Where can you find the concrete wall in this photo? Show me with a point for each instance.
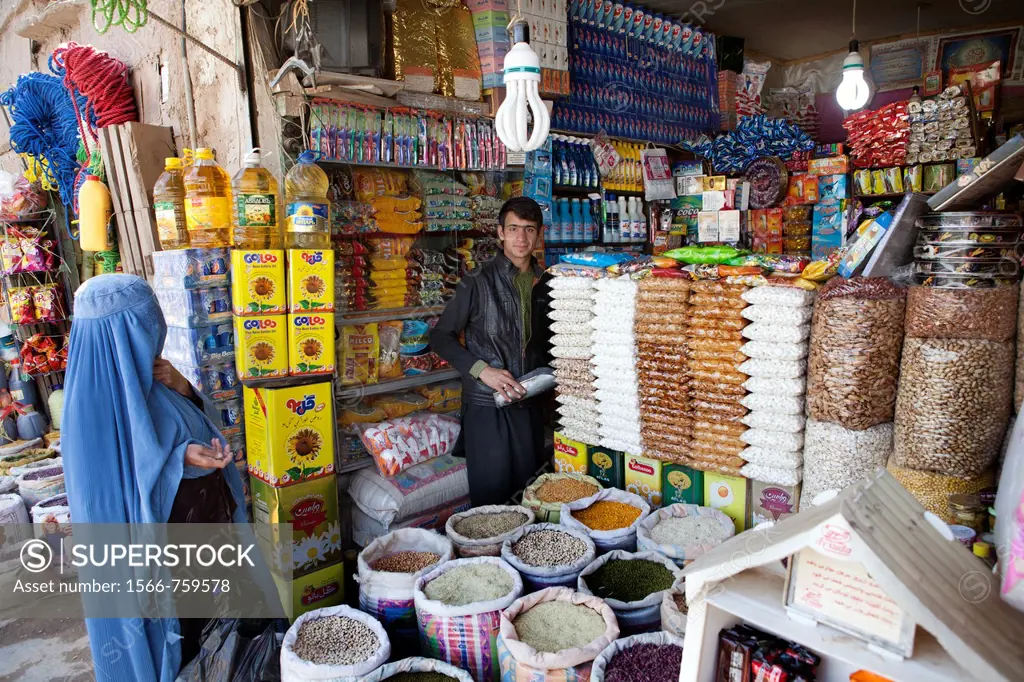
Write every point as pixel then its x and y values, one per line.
pixel 157 73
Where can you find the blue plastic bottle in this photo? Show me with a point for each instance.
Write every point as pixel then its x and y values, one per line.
pixel 564 221
pixel 556 166
pixel 588 221
pixel 577 221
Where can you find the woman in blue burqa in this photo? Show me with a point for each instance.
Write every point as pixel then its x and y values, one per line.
pixel 138 448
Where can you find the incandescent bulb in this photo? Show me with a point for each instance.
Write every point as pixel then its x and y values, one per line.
pixel 854 91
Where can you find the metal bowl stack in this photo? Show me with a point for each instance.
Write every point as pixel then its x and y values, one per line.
pixel 968 250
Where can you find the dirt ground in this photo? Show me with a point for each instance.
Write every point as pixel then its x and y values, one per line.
pixel 33 650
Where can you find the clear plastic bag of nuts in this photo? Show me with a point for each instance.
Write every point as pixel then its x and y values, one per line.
pixel 835 457
pixel 954 403
pixel 853 362
pixel 935 312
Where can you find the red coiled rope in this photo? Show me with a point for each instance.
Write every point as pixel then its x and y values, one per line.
pixel 104 82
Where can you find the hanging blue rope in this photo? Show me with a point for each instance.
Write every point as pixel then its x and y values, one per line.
pixel 45 126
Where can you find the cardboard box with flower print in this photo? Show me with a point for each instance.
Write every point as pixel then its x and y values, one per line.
pixel 289 433
pixel 312 510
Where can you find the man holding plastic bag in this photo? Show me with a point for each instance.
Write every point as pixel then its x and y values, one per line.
pixel 501 311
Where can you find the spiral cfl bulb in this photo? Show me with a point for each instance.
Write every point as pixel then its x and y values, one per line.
pixel 522 79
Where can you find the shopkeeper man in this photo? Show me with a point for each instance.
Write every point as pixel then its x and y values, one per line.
pixel 501 311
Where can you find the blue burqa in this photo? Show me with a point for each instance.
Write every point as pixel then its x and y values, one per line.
pixel 123 440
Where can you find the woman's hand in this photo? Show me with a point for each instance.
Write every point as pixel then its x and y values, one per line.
pixel 166 374
pixel 216 456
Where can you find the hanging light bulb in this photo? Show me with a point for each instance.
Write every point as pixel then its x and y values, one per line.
pixel 853 92
pixel 522 79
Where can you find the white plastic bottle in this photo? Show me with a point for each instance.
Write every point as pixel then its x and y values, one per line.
pixel 641 221
pixel 625 228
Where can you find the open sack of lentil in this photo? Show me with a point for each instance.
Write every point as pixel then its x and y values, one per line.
pixel 388 570
pixel 418 669
pixel 481 531
pixel 548 555
pixel 458 609
pixel 610 518
pixel 954 403
pixel 336 643
pixel 632 584
pixel 674 610
pixel 546 495
pixel 683 532
pixel 650 657
pixel 854 357
pixel 554 634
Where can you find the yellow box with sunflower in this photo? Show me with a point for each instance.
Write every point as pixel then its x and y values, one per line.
pixel 289 433
pixel 261 347
pixel 314 539
pixel 318 590
pixel 311 344
pixel 258 282
pixel 310 281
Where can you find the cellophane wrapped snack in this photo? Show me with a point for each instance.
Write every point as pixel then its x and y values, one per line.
pixel 397 444
pixel 572 297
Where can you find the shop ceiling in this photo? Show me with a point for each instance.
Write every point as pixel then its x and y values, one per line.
pixel 796 29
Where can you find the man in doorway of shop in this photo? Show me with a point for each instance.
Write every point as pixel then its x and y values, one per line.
pixel 501 312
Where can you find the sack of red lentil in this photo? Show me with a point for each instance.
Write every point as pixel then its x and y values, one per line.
pixel 481 530
pixel 553 636
pixel 660 658
pixel 548 555
pixel 683 532
pixel 388 569
pixel 549 492
pixel 603 514
pixel 417 664
pixel 644 582
pixel 458 609
pixel 674 609
pixel 337 643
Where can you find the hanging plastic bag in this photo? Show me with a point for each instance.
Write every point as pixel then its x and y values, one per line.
pixel 658 184
pixel 238 650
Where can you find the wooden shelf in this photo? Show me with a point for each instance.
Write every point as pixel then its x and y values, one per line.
pixel 369 316
pixel 756 597
pixel 395 385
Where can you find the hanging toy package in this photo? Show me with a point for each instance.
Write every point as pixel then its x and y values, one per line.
pixel 658 182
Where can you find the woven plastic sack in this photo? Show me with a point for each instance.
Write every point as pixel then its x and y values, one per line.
pixel 464 636
pixel 607 540
pixel 470 547
pixel 680 555
pixel 520 662
pixel 549 512
pixel 388 596
pixel 634 616
pixel 35 485
pixel 417 664
pixel 295 669
pixel 673 620
pixel 657 638
pixel 540 577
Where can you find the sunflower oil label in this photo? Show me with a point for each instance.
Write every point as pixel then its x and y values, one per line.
pixel 289 433
pixel 207 213
pixel 167 217
pixel 310 281
pixel 258 282
pixel 256 210
pixel 308 216
pixel 311 344
pixel 261 347
pixel 311 507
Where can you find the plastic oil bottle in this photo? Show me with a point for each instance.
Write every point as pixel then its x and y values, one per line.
pixel 94 212
pixel 207 202
pixel 256 206
pixel 308 222
pixel 169 203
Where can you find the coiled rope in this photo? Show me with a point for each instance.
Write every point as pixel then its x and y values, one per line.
pixel 128 14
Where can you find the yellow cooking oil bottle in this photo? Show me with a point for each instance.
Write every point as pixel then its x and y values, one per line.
pixel 308 221
pixel 256 206
pixel 207 202
pixel 94 212
pixel 169 204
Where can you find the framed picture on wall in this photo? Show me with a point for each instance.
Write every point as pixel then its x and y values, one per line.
pixel 968 49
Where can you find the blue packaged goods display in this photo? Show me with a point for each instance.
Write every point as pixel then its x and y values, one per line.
pixel 217 380
pixel 191 269
pixel 195 307
pixel 754 137
pixel 637 74
pixel 596 259
pixel 199 346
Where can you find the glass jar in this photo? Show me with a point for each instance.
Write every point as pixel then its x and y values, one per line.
pixel 968 510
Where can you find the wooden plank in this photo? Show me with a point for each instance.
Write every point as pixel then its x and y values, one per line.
pixel 130 243
pixel 118 198
pixel 145 147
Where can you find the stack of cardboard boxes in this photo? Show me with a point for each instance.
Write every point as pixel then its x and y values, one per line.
pixel 548 38
pixel 746 502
